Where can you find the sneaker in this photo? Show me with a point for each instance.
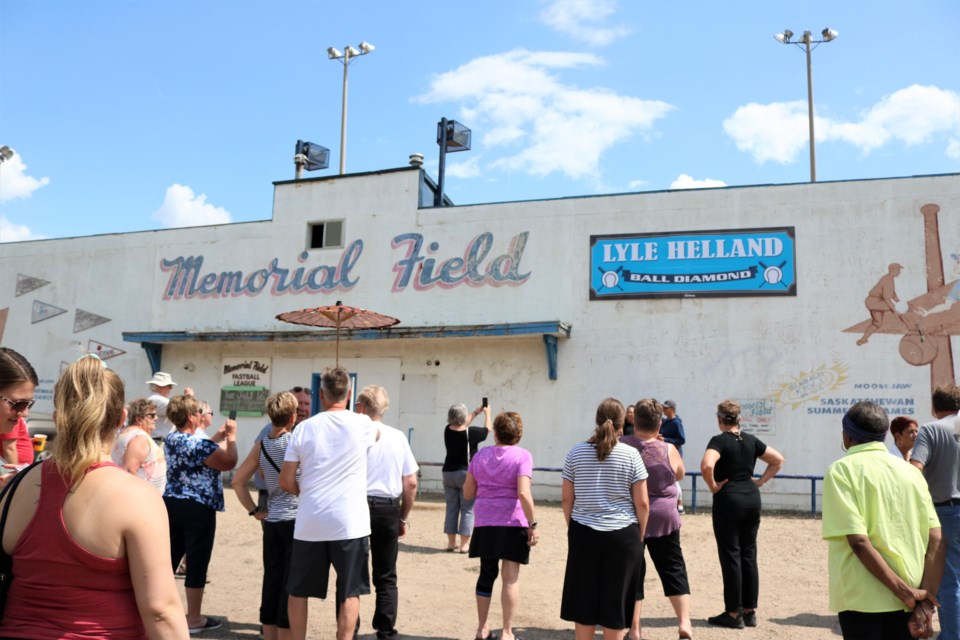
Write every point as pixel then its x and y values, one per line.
pixel 726 620
pixel 750 618
pixel 680 510
pixel 209 625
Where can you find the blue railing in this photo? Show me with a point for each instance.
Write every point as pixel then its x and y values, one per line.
pixel 780 476
pixel 693 475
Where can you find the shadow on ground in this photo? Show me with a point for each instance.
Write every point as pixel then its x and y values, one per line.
pixel 813 620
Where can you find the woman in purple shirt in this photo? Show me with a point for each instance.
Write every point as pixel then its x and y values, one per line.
pixel 505 526
pixel 662 536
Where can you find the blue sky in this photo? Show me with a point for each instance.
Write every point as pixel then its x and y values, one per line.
pixel 147 114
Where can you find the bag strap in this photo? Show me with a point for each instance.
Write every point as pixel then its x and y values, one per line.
pixel 7 492
pixel 266 455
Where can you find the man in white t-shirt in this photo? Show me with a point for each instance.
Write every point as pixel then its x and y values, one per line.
pixel 391 490
pixel 333 521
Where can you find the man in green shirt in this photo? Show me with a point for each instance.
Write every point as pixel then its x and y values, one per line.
pixel 885 557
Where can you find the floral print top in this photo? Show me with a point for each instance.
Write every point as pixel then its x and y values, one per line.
pixel 187 477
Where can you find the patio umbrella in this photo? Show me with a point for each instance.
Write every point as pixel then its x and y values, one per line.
pixel 339 317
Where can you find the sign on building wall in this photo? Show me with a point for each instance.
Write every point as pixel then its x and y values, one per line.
pixel 757 416
pixel 737 262
pixel 245 385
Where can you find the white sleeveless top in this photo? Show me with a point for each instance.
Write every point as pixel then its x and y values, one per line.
pixel 154 467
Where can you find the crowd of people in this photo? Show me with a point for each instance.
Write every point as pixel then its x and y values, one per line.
pixel 337 488
pixel 82 528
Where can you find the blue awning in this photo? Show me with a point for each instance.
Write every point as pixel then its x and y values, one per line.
pixel 551 330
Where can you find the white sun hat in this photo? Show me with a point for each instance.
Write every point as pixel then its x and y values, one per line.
pixel 162 379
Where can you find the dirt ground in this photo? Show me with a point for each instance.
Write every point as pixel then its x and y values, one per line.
pixel 436 588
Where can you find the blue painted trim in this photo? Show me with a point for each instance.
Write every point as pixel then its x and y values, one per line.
pixel 555 328
pixel 550 342
pixel 316 402
pixel 549 329
pixel 154 355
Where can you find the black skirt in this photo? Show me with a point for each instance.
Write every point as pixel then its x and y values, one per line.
pixel 500 543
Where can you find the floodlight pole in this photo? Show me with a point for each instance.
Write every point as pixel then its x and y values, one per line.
pixel 348 54
pixel 442 169
pixel 5 154
pixel 808 44
pixel 813 144
pixel 343 114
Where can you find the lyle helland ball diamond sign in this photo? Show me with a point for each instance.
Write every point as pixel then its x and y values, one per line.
pixel 738 262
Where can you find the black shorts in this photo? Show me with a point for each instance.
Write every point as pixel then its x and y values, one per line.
pixel 500 543
pixel 310 568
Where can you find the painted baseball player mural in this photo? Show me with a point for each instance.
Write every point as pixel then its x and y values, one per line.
pixel 882 300
pixel 925 322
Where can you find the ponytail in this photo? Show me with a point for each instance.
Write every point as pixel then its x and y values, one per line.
pixel 610 417
pixel 88 409
pixel 605 438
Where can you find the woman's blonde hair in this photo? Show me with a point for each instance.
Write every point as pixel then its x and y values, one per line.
pixel 180 408
pixel 281 407
pixel 610 417
pixel 88 410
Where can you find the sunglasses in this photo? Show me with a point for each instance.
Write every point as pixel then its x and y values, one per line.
pixel 151 415
pixel 301 390
pixel 18 406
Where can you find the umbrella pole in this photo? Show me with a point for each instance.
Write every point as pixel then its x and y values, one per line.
pixel 338 339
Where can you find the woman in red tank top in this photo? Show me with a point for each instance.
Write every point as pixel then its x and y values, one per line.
pixel 17 383
pixel 86 537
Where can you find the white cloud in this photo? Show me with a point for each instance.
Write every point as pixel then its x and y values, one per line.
pixel 637 184
pixel 582 20
pixel 182 208
pixel 467 169
pixel 544 125
pixel 14 181
pixel 11 232
pixel 775 131
pixel 684 181
pixel 953 149
pixel 915 115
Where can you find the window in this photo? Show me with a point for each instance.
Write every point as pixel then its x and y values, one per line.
pixel 323 235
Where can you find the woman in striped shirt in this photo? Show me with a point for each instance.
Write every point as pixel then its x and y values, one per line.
pixel 605 504
pixel 266 456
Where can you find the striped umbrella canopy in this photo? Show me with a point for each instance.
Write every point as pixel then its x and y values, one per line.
pixel 339 316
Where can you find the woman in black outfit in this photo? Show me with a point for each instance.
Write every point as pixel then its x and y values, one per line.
pixel 727 468
pixel 461 444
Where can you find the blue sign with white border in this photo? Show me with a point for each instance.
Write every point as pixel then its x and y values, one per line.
pixel 694 264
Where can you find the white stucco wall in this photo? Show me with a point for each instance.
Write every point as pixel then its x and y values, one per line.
pixel 789 352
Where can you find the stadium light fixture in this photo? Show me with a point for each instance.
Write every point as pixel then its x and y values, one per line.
pixel 311 157
pixel 451 136
pixel 808 44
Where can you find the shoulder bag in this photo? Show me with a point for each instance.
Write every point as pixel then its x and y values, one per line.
pixel 6 560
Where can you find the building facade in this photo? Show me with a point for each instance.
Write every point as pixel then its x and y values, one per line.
pixel 795 300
